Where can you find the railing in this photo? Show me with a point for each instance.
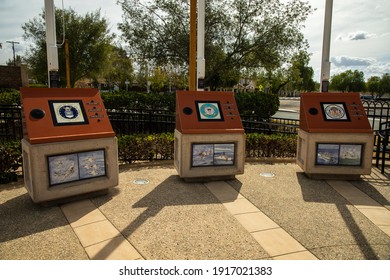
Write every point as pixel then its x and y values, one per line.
pixel 10 122
pixel 158 121
pixel 378 111
pixel 141 121
pixel 252 124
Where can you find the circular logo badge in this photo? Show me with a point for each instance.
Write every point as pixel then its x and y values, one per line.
pixel 68 112
pixel 209 111
pixel 335 111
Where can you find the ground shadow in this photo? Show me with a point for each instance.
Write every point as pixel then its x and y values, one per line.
pixel 321 192
pixel 20 216
pixel 173 191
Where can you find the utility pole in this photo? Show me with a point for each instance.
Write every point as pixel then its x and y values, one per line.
pixel 13 49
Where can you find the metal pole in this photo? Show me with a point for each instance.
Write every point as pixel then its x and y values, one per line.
pixel 325 67
pixel 201 63
pixel 51 44
pixel 192 45
pixel 67 63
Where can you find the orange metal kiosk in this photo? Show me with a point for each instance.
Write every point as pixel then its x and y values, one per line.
pixel 69 147
pixel 209 137
pixel 335 139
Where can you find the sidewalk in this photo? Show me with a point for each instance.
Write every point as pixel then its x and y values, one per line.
pixel 287 216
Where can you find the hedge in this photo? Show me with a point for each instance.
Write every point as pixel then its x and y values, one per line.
pixel 10 160
pixel 139 147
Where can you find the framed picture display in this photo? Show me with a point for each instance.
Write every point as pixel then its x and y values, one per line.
pixel 76 166
pixel 67 112
pixel 209 111
pixel 339 154
pixel 213 154
pixel 334 111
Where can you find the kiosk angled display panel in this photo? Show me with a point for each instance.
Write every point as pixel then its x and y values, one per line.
pixel 207 112
pixel 59 114
pixel 333 112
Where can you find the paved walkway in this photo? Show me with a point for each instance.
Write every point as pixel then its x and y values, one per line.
pixel 287 216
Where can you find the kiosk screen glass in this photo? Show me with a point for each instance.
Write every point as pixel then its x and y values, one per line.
pixel 339 154
pixel 209 111
pixel 67 112
pixel 76 166
pixel 213 154
pixel 334 111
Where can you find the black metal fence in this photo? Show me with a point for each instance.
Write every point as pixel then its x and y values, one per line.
pixel 159 121
pixel 10 122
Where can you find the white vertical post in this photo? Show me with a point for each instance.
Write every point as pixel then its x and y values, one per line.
pixel 201 63
pixel 51 42
pixel 325 66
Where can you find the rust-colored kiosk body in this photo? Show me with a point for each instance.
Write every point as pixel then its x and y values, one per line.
pixel 335 139
pixel 69 147
pixel 209 137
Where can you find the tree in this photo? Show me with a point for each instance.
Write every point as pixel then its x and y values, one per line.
pixel 18 61
pixel 239 34
pixel 89 45
pixel 300 72
pixel 385 84
pixel 120 69
pixel 352 81
pixel 373 85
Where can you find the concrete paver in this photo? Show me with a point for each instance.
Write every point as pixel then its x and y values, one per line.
pixel 373 210
pixel 100 239
pixel 275 241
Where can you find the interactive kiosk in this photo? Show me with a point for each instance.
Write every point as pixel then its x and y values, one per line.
pixel 335 139
pixel 209 137
pixel 69 147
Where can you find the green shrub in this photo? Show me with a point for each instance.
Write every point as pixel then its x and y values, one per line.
pixel 135 147
pixel 10 160
pixel 139 100
pixel 164 145
pixel 274 145
pixel 149 147
pixel 257 103
pixel 9 97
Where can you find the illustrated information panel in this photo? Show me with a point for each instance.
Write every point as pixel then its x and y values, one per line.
pixel 76 166
pixel 213 154
pixel 339 154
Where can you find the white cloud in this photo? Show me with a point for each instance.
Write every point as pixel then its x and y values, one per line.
pixel 369 66
pixel 347 61
pixel 358 35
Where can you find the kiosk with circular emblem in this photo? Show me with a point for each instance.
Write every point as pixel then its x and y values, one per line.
pixel 335 139
pixel 69 147
pixel 209 137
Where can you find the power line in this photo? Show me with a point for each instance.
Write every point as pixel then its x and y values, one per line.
pixel 13 49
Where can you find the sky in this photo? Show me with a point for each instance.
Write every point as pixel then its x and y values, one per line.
pixel 360 34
